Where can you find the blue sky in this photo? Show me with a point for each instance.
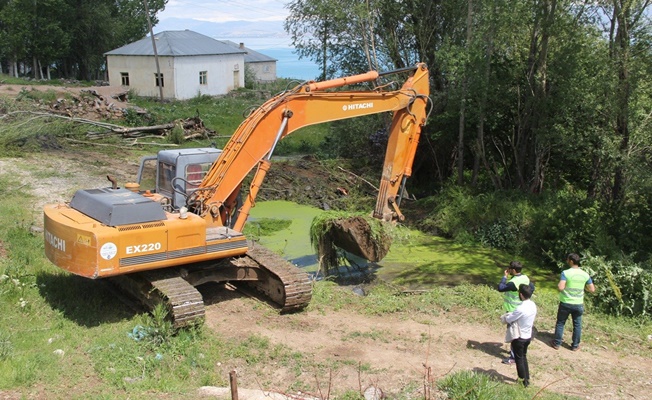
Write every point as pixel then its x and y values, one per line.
pixel 226 10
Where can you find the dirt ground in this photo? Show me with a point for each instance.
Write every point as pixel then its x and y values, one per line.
pixel 397 348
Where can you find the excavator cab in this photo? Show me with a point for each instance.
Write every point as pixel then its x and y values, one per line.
pixel 176 173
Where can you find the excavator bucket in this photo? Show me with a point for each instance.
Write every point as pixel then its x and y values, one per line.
pixel 364 237
pixel 357 236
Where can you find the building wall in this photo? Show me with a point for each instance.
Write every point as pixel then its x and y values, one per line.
pixel 180 74
pixel 142 70
pixel 265 71
pixel 224 73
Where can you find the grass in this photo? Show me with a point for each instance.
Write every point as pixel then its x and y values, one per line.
pixel 11 80
pixel 221 114
pixel 224 115
pixel 70 338
pixel 49 319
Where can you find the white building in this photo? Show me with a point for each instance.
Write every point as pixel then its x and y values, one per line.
pixel 263 66
pixel 191 64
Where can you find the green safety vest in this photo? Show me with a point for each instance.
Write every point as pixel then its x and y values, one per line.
pixel 575 282
pixel 511 299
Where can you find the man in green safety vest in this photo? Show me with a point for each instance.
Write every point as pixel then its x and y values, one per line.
pixel 571 287
pixel 509 289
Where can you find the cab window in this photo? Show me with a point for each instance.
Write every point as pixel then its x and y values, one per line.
pixel 167 172
pixel 195 173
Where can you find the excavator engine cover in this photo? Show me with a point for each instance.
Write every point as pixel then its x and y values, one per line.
pixel 115 207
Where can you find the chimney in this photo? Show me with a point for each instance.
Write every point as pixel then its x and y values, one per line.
pixel 242 45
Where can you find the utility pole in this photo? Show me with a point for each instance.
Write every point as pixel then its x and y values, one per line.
pixel 159 81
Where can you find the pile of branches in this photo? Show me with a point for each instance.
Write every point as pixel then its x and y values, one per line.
pixel 193 128
pixel 92 104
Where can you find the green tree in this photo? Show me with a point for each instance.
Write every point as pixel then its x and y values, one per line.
pixel 99 26
pixel 40 33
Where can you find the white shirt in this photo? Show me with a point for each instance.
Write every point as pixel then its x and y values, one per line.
pixel 524 315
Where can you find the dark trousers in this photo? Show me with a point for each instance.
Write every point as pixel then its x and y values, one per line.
pixel 520 356
pixel 575 311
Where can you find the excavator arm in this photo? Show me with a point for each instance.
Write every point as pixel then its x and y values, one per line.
pixel 254 141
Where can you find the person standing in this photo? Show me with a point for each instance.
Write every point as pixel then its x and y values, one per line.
pixel 524 316
pixel 509 289
pixel 572 284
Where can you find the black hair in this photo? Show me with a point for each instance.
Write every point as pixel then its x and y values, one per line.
pixel 525 291
pixel 574 258
pixel 516 266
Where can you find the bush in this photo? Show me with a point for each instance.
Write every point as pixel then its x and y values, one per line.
pixel 566 221
pixel 622 287
pixel 499 220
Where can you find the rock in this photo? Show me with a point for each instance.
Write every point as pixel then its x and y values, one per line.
pixel 373 393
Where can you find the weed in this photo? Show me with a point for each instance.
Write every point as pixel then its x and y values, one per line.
pixel 157 329
pixel 468 385
pixel 6 347
pixel 177 135
pixel 265 226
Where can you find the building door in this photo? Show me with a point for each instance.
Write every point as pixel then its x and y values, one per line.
pixel 236 79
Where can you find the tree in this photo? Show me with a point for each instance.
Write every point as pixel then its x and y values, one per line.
pixel 41 32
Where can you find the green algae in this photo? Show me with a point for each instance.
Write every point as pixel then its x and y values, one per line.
pixel 415 260
pixel 293 241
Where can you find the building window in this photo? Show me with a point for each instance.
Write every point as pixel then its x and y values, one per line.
pixel 203 77
pixel 159 80
pixel 124 77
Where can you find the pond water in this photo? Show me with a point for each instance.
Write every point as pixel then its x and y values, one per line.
pixel 415 260
pixel 293 243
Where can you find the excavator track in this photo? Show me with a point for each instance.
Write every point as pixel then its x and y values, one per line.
pixel 280 282
pixel 286 285
pixel 184 303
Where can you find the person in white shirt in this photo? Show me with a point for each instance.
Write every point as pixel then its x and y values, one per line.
pixel 524 316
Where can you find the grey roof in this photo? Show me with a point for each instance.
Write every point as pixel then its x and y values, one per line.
pixel 177 43
pixel 252 56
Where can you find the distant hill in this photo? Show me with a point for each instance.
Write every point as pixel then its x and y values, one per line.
pixel 225 30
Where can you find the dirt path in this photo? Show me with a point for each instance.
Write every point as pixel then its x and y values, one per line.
pixel 394 347
pixel 397 347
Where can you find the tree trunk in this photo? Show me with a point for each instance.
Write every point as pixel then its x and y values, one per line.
pixel 529 132
pixel 623 92
pixel 465 84
pixel 480 153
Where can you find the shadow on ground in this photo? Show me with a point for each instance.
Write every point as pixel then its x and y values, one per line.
pixel 87 302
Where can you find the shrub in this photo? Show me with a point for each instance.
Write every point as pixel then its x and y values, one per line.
pixel 568 222
pixel 499 220
pixel 622 287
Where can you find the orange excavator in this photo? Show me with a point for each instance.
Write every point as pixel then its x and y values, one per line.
pixel 161 244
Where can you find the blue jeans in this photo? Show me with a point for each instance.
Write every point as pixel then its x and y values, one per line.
pixel 575 311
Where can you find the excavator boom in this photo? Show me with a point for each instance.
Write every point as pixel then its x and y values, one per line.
pixel 254 140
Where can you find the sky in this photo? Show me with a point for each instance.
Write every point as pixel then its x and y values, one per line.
pixel 226 10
